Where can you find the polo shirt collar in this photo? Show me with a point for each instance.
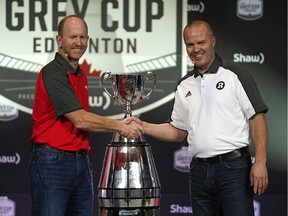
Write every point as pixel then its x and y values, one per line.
pixel 66 64
pixel 213 67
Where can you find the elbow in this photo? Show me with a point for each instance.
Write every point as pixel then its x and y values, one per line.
pixel 179 139
pixel 78 119
pixel 80 124
pixel 179 136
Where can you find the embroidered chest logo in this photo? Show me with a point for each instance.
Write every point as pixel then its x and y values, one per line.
pixel 220 85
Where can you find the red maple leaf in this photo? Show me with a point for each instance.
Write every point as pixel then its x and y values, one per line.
pixel 87 67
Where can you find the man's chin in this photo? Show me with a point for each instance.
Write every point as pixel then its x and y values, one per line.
pixel 74 57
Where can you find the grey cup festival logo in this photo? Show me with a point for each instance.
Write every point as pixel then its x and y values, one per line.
pixel 249 9
pixel 125 37
pixel 7 206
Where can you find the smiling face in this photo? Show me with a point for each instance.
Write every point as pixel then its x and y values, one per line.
pixel 72 40
pixel 200 43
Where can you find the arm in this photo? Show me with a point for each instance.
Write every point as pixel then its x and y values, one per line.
pixel 91 122
pixel 165 132
pixel 259 173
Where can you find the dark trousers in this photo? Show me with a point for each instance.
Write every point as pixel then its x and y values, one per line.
pixel 221 188
pixel 61 183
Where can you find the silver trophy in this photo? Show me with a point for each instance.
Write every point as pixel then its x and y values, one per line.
pixel 128 89
pixel 129 183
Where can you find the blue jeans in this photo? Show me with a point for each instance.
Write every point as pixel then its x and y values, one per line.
pixel 221 188
pixel 61 183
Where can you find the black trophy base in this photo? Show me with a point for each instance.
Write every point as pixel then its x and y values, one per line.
pixel 129 212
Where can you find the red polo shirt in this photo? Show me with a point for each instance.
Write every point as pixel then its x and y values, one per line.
pixel 60 89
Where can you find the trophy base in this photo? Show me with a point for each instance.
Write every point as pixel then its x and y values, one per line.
pixel 130 212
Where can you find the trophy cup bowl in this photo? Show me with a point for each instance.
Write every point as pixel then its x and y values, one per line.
pixel 128 89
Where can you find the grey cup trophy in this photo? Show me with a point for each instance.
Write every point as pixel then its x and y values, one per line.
pixel 129 183
pixel 128 89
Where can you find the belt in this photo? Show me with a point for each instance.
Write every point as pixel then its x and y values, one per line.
pixel 223 157
pixel 80 152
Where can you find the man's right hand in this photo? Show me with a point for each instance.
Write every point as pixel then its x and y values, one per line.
pixel 132 128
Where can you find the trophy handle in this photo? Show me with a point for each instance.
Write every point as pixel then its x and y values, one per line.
pixel 146 77
pixel 102 82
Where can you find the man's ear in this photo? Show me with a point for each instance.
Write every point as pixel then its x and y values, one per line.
pixel 214 40
pixel 59 41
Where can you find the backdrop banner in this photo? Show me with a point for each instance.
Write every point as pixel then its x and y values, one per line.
pixel 134 36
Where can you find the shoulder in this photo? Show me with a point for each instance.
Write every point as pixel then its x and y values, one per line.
pixel 242 73
pixel 189 74
pixel 235 68
pixel 54 70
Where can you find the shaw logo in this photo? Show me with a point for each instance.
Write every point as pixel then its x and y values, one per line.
pixel 103 101
pixel 176 208
pixel 182 159
pixel 8 112
pixel 13 159
pixel 249 9
pixel 239 57
pixel 196 7
pixel 7 207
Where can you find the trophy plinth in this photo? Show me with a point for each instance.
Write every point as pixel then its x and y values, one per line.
pixel 129 183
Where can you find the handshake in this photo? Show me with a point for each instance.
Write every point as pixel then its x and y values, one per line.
pixel 132 127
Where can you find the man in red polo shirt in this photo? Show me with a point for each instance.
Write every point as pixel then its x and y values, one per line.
pixel 60 172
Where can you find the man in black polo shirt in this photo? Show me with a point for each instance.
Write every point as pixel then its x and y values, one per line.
pixel 60 172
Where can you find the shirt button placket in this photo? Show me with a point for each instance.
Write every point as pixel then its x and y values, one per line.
pixel 203 85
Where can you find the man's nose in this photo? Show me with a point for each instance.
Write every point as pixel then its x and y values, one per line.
pixel 196 48
pixel 78 41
